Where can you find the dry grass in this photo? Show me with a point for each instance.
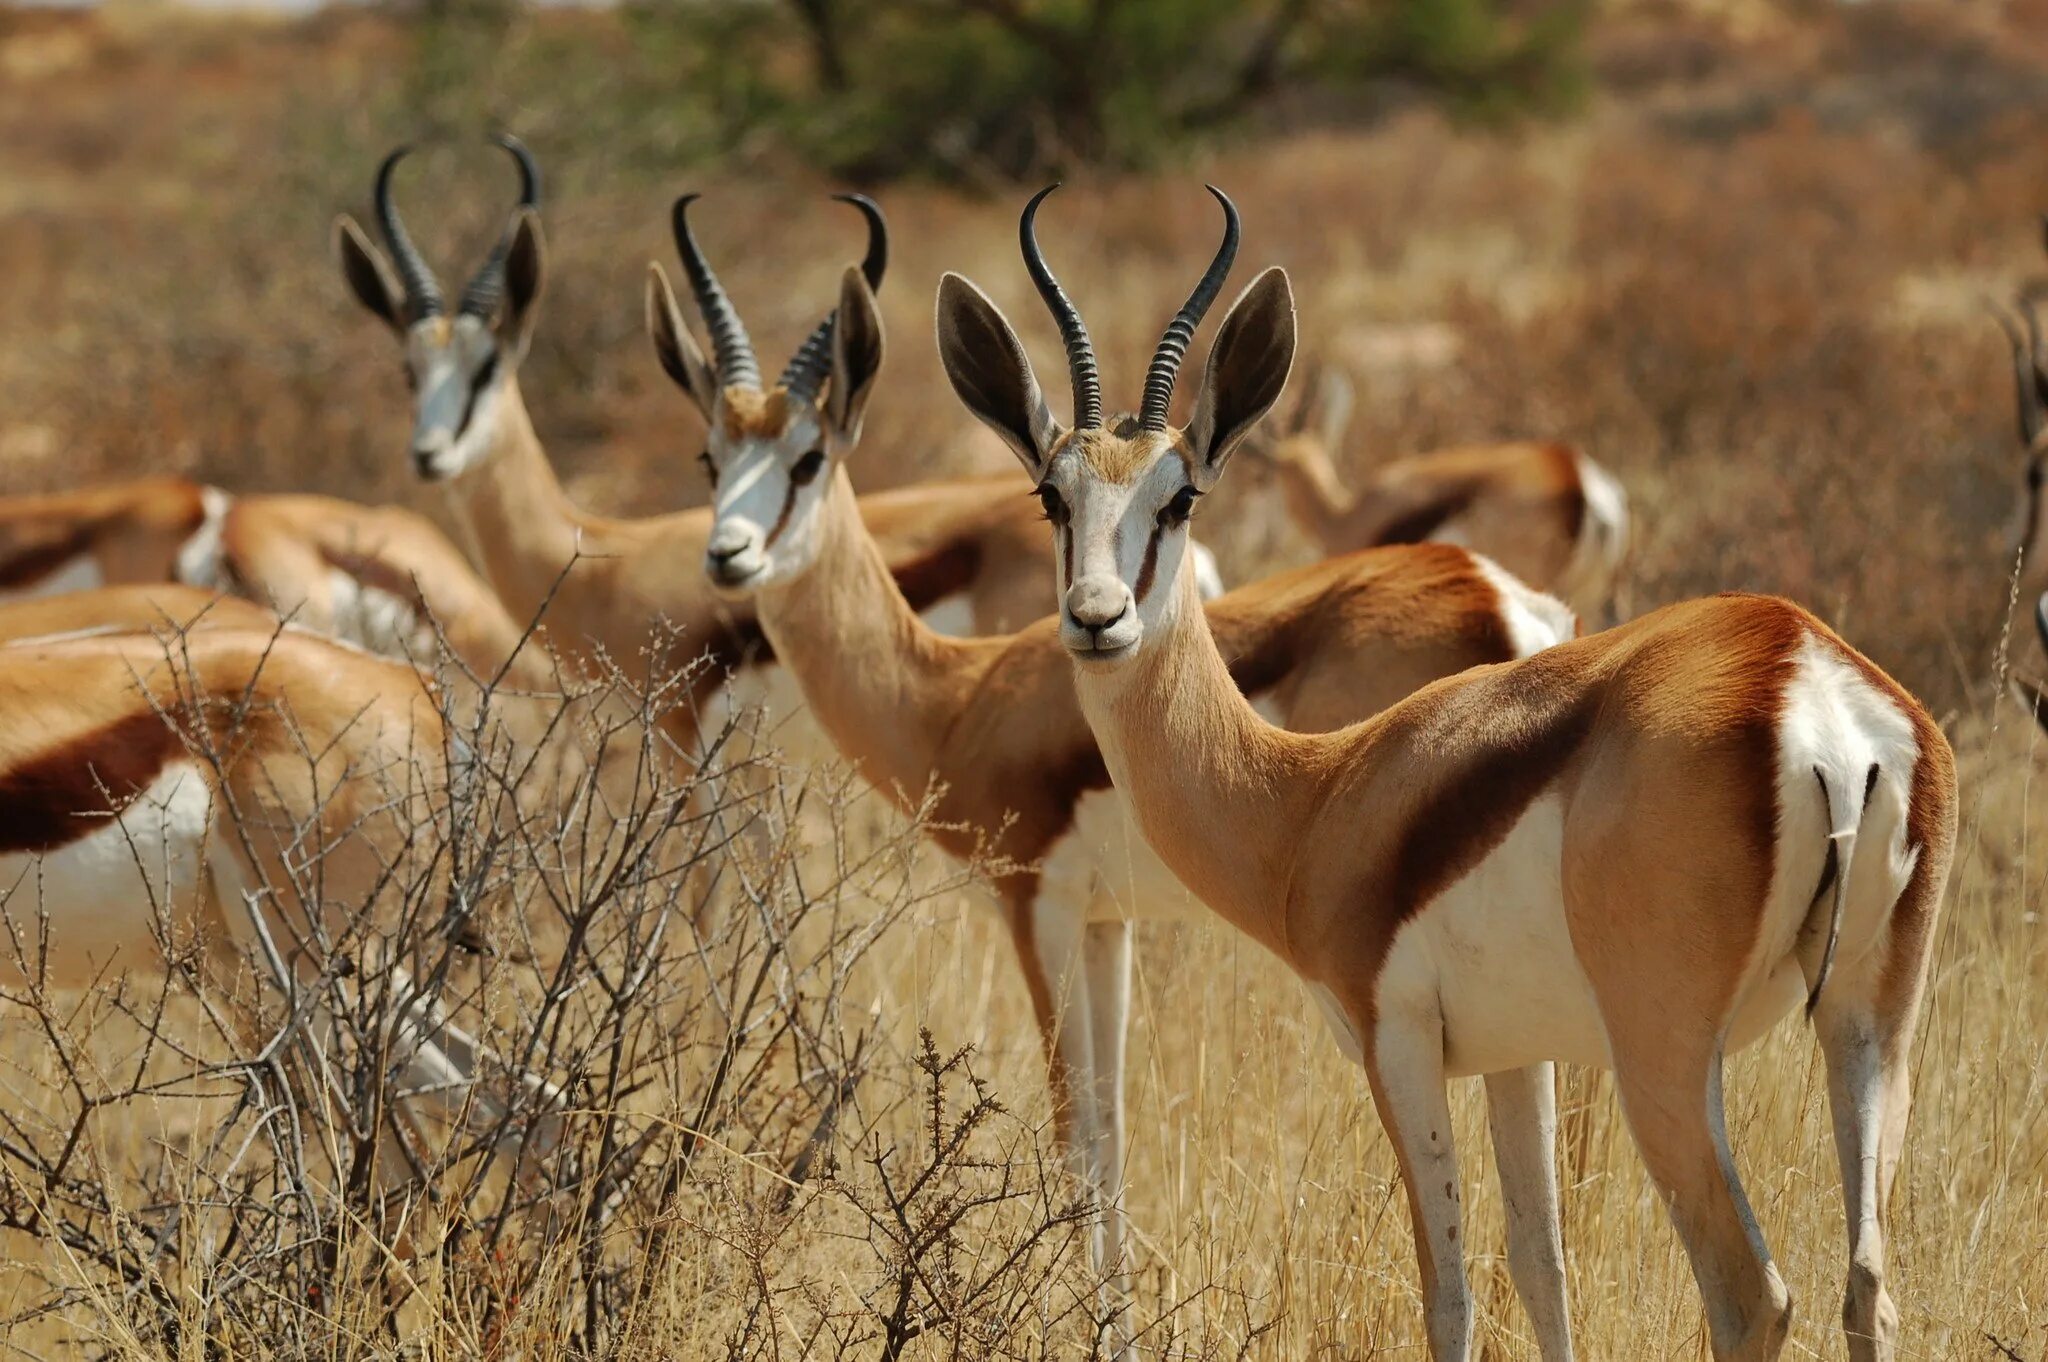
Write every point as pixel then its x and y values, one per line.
pixel 1747 281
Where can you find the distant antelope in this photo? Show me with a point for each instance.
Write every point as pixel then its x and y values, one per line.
pixel 961 539
pixel 1542 509
pixel 2030 388
pixel 992 723
pixel 378 576
pixel 1635 849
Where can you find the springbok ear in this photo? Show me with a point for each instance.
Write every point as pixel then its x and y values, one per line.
pixel 369 278
pixel 525 273
pixel 675 346
pixel 991 373
pixel 1247 370
pixel 856 355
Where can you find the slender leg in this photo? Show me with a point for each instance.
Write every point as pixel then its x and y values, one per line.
pixel 1108 969
pixel 1866 1110
pixel 1406 1066
pixel 1521 1106
pixel 1670 1088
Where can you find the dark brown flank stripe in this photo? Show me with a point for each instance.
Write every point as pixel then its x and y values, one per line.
pixel 70 791
pixel 1425 520
pixel 32 565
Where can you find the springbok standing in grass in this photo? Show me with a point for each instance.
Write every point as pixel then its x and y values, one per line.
pixel 1542 509
pixel 2030 389
pixel 380 577
pixel 925 714
pixel 1636 849
pixel 944 541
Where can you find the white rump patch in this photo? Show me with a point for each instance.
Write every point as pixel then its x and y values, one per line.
pixel 1535 620
pixel 199 560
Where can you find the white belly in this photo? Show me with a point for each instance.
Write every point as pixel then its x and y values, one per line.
pixel 1493 952
pixel 105 892
pixel 373 618
pixel 78 574
pixel 1103 862
pixel 951 615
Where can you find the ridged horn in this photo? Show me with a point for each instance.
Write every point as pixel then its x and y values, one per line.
pixel 806 371
pixel 1081 370
pixel 487 289
pixel 732 353
pixel 422 291
pixel 2027 382
pixel 1173 346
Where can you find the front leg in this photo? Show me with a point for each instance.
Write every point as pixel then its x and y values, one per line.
pixel 1521 1106
pixel 1405 1062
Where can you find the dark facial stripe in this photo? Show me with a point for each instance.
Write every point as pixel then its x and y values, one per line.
pixel 1066 538
pixel 1151 565
pixel 68 792
pixel 782 519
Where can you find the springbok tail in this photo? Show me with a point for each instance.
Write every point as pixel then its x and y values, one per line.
pixel 1843 821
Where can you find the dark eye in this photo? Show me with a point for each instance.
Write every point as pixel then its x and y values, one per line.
pixel 1177 511
pixel 710 468
pixel 807 468
pixel 1055 506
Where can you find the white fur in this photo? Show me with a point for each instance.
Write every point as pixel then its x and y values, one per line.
pixel 1603 538
pixel 376 620
pixel 951 615
pixel 1208 574
pixel 200 557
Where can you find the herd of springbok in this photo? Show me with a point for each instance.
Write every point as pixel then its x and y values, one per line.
pixel 1485 839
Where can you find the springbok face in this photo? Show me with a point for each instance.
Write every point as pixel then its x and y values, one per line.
pixel 771 453
pixel 1119 494
pixel 458 364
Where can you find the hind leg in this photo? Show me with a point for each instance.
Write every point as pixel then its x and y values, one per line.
pixel 1521 1107
pixel 1405 1063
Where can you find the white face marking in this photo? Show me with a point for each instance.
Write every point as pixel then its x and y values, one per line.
pixel 766 510
pixel 78 574
pixel 1125 548
pixel 458 374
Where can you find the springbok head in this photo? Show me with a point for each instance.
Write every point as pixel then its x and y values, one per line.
pixel 1119 490
pixel 458 362
pixel 770 451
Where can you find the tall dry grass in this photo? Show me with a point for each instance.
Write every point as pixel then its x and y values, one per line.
pixel 1747 281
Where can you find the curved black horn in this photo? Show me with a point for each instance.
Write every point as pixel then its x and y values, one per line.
pixel 2033 410
pixel 422 290
pixel 806 370
pixel 487 288
pixel 1173 346
pixel 1081 370
pixel 732 353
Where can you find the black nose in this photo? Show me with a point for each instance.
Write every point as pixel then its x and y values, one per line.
pixel 1095 630
pixel 722 555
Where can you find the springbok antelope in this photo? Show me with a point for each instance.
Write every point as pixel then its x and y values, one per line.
pixel 1542 509
pixel 1636 848
pixel 176 762
pixel 927 715
pixel 471 430
pixel 380 577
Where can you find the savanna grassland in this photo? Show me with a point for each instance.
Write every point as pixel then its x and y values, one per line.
pixel 1745 272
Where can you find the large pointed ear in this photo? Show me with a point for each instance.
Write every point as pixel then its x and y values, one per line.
pixel 369 278
pixel 1247 370
pixel 675 346
pixel 856 355
pixel 990 371
pixel 525 272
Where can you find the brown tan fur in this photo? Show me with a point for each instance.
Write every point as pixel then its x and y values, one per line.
pixel 132 530
pixel 161 608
